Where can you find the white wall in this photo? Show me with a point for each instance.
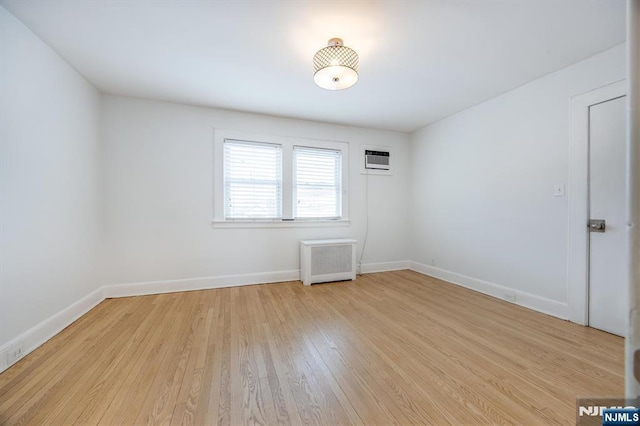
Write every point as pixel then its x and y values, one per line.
pixel 50 206
pixel 482 201
pixel 85 178
pixel 159 195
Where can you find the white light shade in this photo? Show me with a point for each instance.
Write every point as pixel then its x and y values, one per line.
pixel 335 77
pixel 336 66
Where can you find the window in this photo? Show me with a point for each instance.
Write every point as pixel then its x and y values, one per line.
pixel 278 182
pixel 317 187
pixel 252 180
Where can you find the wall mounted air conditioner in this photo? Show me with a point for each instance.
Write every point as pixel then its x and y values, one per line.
pixel 377 160
pixel 324 261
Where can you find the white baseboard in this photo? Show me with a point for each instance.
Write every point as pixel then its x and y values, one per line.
pixel 528 300
pixel 39 334
pixel 205 283
pixel 370 268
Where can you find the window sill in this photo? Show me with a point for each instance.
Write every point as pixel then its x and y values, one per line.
pixel 280 223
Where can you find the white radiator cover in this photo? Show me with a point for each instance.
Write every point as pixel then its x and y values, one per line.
pixel 324 261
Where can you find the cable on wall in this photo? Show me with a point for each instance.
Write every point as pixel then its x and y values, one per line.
pixel 366 229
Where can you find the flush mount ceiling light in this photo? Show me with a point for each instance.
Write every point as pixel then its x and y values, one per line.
pixel 336 66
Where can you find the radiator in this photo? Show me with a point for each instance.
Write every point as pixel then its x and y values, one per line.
pixel 323 261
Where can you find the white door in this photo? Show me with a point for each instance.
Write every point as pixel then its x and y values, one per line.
pixel 608 301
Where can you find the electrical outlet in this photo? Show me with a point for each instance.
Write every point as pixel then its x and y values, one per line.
pixel 510 297
pixel 433 262
pixel 14 355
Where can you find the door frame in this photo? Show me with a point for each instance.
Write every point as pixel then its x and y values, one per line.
pixel 578 236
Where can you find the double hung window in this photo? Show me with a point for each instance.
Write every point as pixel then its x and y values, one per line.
pixel 267 180
pixel 252 180
pixel 317 183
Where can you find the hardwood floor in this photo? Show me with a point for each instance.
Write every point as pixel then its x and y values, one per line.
pixel 389 348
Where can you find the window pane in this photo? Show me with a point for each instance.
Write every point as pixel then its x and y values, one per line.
pixel 252 180
pixel 317 183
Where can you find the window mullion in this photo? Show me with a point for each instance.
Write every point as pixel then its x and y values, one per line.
pixel 287 182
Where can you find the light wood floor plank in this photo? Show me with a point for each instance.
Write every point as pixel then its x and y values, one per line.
pixel 389 348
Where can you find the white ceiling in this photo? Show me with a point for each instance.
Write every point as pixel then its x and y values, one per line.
pixel 419 60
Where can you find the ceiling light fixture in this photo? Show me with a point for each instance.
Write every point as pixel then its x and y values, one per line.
pixel 336 66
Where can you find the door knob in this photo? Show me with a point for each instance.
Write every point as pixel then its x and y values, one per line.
pixel 597 225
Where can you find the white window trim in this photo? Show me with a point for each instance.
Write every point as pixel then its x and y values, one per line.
pixel 287 143
pixel 280 223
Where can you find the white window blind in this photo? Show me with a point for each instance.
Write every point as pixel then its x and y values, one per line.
pixel 317 183
pixel 252 180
